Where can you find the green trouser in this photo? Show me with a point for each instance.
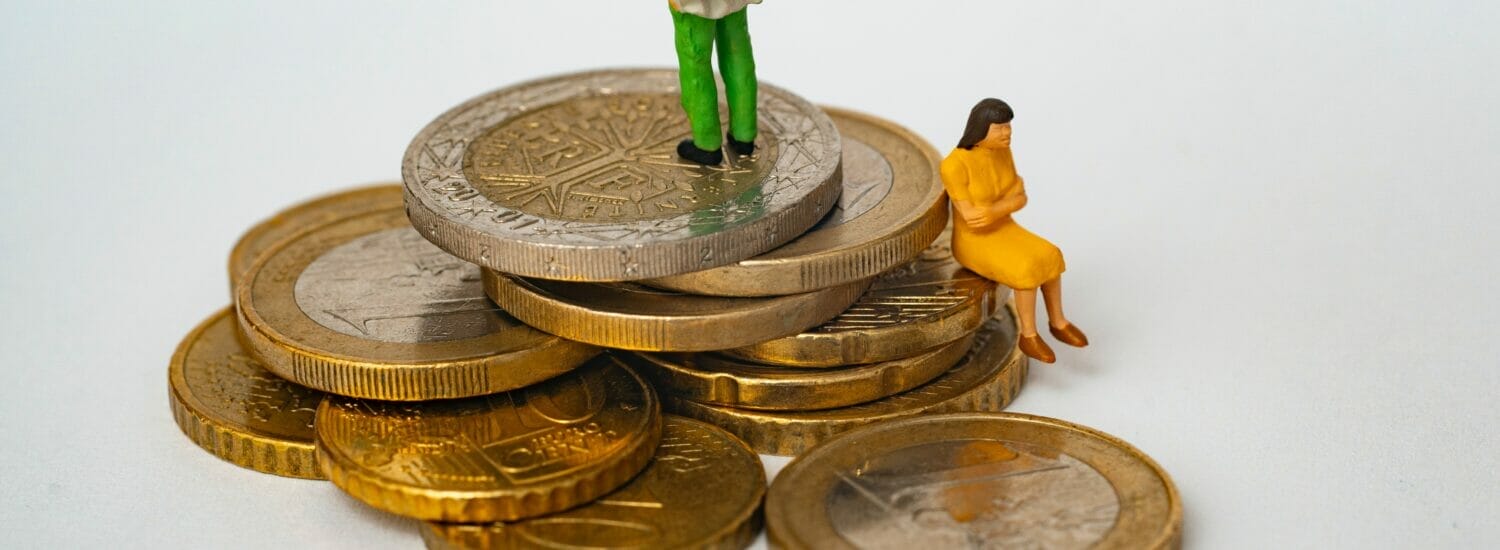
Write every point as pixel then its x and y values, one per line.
pixel 700 96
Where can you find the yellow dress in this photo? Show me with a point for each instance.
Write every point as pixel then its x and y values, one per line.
pixel 1005 253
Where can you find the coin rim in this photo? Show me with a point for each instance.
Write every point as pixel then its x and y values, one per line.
pixel 791 433
pixel 241 258
pixel 776 273
pixel 227 440
pixel 552 495
pixel 478 370
pixel 778 516
pixel 602 262
pixel 760 319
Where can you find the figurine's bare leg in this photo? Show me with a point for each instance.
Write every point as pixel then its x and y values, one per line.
pixel 1052 295
pixel 1026 307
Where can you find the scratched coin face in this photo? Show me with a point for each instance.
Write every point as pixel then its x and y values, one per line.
pixel 892 206
pixel 230 405
pixel 365 307
pixel 703 489
pixel 925 303
pixel 974 480
pixel 576 178
pixel 506 456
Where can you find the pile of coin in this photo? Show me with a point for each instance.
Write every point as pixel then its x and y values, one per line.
pixel 490 345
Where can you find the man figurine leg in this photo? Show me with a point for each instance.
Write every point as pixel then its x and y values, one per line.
pixel 700 96
pixel 737 63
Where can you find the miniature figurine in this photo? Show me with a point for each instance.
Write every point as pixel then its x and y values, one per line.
pixel 980 177
pixel 699 24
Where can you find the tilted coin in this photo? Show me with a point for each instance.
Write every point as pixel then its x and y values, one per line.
pixel 576 177
pixel 301 216
pixel 925 303
pixel 726 381
pixel 636 317
pixel 985 379
pixel 970 480
pixel 365 307
pixel 892 206
pixel 702 490
pixel 503 457
pixel 233 407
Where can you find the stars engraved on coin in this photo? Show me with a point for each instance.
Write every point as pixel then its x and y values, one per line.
pixel 395 286
pixel 868 178
pixel 973 493
pixel 602 158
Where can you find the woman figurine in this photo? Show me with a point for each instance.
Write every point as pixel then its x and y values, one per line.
pixel 981 180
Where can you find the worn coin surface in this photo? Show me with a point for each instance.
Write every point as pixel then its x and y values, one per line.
pixel 718 380
pixel 576 177
pixel 892 206
pixel 636 317
pixel 301 216
pixel 915 307
pixel 974 480
pixel 231 406
pixel 985 379
pixel 524 453
pixel 365 307
pixel 702 490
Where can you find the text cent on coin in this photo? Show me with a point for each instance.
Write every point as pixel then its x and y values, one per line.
pixel 365 307
pixel 892 206
pixel 231 406
pixel 503 457
pixel 576 178
pixel 703 489
pixel 299 217
pixel 945 481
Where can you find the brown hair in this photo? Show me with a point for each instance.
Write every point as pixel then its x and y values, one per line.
pixel 988 111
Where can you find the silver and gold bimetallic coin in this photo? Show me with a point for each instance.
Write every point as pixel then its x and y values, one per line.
pixel 301 216
pixel 925 303
pixel 503 457
pixel 987 378
pixel 365 307
pixel 636 317
pixel 703 489
pixel 726 381
pixel 231 406
pixel 576 177
pixel 971 480
pixel 892 207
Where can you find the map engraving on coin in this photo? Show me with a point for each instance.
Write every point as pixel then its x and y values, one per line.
pixel 576 178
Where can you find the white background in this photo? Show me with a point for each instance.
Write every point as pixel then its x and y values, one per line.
pixel 1279 219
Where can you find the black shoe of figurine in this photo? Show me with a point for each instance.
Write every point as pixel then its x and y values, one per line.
pixel 741 147
pixel 690 151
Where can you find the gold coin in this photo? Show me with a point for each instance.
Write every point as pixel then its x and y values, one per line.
pixel 892 206
pixel 365 307
pixel 726 381
pixel 985 379
pixel 233 407
pixel 702 490
pixel 635 317
pixel 925 303
pixel 950 481
pixel 503 457
pixel 301 216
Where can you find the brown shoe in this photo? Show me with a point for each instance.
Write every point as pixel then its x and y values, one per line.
pixel 1069 335
pixel 1035 348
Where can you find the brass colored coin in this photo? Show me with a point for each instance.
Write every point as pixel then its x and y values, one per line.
pixel 576 177
pixel 233 407
pixel 702 490
pixel 925 303
pixel 892 206
pixel 635 317
pixel 949 481
pixel 726 381
pixel 986 379
pixel 365 307
pixel 301 216
pixel 503 457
